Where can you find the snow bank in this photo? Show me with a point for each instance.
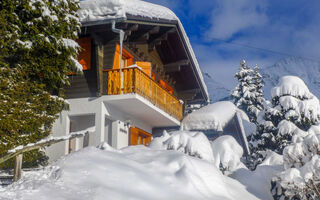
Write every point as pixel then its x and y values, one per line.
pixel 191 143
pixel 135 172
pixel 258 182
pixel 227 152
pixel 291 85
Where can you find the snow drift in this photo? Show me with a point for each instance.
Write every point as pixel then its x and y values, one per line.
pixel 136 172
pixel 191 143
pixel 227 153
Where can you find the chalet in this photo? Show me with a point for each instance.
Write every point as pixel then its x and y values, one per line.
pixel 139 73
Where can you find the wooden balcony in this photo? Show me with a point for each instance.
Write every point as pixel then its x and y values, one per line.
pixel 136 81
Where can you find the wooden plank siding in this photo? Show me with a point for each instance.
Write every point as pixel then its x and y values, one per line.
pixel 92 82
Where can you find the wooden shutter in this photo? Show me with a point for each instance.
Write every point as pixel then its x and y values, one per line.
pixel 84 56
pixel 146 67
pixel 165 86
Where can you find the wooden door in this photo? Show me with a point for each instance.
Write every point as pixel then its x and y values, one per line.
pixel 139 137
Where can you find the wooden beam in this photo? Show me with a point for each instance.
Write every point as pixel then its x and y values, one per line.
pixel 188 94
pixel 155 30
pixel 131 29
pixel 17 168
pixel 134 27
pixel 175 66
pixel 158 40
pixel 39 145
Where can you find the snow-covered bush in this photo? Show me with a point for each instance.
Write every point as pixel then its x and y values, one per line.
pixel 227 154
pixel 301 178
pixel 189 142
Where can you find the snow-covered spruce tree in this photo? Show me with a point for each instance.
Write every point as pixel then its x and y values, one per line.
pixel 27 112
pixel 293 105
pixel 258 104
pixel 37 51
pixel 258 100
pixel 248 94
pixel 301 178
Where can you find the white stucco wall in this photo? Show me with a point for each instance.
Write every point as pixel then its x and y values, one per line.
pixel 110 120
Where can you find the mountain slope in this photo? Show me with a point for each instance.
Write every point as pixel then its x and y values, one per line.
pixel 307 70
pixel 217 91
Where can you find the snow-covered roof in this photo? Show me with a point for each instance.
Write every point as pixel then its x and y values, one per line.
pixel 96 10
pixel 213 116
pixel 103 11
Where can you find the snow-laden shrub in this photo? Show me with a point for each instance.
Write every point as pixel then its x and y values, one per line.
pixel 157 142
pixel 227 154
pixel 271 158
pixel 301 178
pixel 189 142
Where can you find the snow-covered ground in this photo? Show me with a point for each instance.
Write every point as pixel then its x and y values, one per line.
pixel 136 172
pixel 258 182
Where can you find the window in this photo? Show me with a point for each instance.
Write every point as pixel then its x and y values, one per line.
pixel 126 60
pixel 84 56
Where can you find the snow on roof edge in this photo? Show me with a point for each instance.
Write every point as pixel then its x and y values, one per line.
pixel 193 57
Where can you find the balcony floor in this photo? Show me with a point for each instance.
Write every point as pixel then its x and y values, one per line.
pixel 136 106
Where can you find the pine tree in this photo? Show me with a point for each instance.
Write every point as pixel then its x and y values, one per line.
pixel 243 94
pixel 37 52
pixel 255 109
pixel 258 101
pixel 27 112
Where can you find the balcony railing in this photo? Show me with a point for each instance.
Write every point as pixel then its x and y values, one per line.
pixel 135 80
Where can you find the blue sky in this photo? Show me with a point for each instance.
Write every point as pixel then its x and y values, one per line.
pixel 219 30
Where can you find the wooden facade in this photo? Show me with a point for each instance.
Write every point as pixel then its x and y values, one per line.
pixel 154 64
